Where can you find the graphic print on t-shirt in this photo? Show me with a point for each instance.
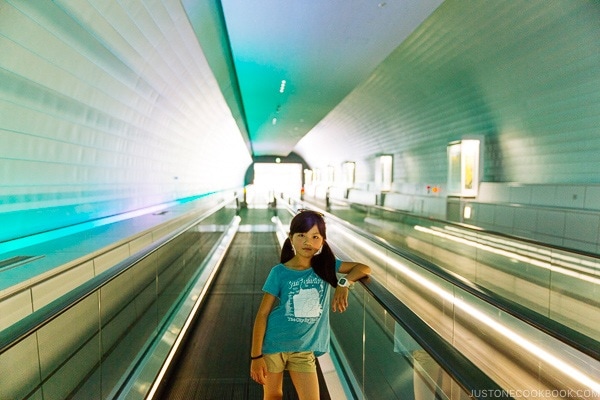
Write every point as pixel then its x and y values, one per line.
pixel 304 302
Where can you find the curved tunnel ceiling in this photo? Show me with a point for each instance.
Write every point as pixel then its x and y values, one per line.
pixel 296 60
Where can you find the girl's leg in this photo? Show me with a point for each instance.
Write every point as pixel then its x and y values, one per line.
pixel 306 384
pixel 273 388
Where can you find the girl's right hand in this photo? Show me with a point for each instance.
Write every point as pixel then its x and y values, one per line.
pixel 258 370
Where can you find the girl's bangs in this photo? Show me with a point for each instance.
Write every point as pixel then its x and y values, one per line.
pixel 304 221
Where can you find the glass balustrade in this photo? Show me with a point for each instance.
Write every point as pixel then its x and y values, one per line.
pixel 517 355
pixel 90 347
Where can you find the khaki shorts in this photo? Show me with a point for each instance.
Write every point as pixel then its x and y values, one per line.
pixel 298 361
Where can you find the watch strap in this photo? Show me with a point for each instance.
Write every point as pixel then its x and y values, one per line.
pixel 343 282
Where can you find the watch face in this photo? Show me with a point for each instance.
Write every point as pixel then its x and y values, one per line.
pixel 343 282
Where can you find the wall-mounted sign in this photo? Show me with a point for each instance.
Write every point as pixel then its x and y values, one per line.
pixel 384 167
pixel 463 167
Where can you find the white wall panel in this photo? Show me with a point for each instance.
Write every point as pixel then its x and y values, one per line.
pixel 524 75
pixel 51 289
pixel 15 308
pixel 107 106
pixel 580 227
pixel 25 353
pixel 110 259
pixel 52 351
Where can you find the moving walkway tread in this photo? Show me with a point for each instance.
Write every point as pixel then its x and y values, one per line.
pixel 214 363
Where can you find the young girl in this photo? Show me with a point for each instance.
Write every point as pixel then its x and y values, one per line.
pixel 292 323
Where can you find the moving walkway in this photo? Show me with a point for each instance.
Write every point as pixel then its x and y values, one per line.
pixel 559 284
pixel 433 342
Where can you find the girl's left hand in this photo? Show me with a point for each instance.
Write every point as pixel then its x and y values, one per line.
pixel 340 299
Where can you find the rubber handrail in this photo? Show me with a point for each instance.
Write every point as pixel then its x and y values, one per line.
pixel 459 367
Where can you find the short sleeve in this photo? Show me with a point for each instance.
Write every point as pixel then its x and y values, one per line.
pixel 338 264
pixel 271 285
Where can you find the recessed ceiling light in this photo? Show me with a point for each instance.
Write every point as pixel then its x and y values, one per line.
pixel 274 121
pixel 282 86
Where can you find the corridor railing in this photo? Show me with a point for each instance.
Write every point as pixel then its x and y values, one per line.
pixel 517 349
pixel 87 343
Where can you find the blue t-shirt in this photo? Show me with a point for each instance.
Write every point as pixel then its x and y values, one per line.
pixel 300 321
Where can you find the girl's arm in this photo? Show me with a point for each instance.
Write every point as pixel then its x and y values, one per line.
pixel 258 367
pixel 354 271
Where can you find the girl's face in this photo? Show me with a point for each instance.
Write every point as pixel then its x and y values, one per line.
pixel 307 243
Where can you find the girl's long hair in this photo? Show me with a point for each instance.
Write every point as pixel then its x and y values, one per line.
pixel 324 263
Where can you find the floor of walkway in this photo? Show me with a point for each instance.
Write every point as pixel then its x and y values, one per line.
pixel 215 362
